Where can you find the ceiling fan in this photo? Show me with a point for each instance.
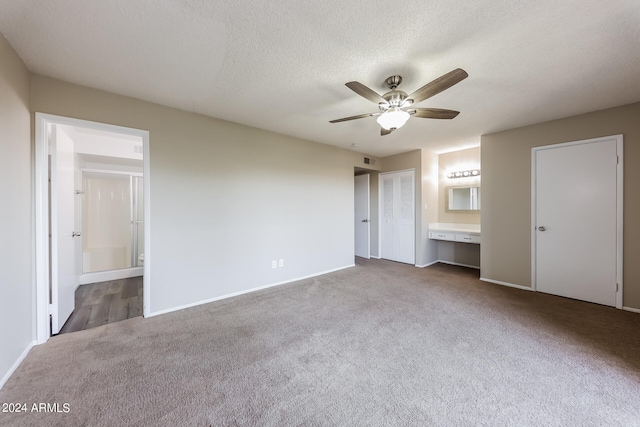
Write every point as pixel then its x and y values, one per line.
pixel 396 106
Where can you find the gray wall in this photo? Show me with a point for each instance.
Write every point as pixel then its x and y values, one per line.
pixel 226 199
pixel 506 192
pixel 16 270
pixel 429 206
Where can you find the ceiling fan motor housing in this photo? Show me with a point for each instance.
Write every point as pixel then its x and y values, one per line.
pixel 393 82
pixel 394 97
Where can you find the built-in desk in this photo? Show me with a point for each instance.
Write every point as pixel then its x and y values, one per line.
pixel 449 239
pixel 464 233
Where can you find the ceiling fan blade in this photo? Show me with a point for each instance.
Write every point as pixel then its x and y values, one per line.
pixel 360 116
pixel 365 92
pixel 384 132
pixel 434 113
pixel 438 85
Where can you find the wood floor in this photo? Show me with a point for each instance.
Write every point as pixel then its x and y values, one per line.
pixel 105 302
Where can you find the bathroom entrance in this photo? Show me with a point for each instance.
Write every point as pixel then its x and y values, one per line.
pixel 93 268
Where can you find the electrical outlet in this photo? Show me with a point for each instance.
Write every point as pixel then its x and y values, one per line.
pixel 274 264
pixel 281 263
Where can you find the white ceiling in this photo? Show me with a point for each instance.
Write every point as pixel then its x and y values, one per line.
pixel 282 65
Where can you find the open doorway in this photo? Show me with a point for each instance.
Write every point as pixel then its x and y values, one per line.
pixel 92 228
pixel 366 213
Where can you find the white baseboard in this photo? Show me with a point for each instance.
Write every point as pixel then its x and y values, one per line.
pixel 16 364
pixel 259 288
pixel 511 285
pixel 526 288
pixel 104 276
pixel 427 265
pixel 374 257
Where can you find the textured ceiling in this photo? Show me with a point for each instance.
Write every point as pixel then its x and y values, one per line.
pixel 282 65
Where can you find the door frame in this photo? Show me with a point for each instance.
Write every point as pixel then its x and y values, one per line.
pixel 619 207
pixel 41 214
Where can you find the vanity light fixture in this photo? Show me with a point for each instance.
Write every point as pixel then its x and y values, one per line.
pixel 464 174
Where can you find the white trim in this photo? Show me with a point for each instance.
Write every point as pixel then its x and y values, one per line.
pixel 146 197
pixel 534 221
pixel 375 257
pixel 620 219
pixel 369 215
pixel 633 310
pixel 398 171
pixel 619 207
pixel 427 265
pixel 41 203
pixel 111 172
pixel 16 364
pixel 193 304
pixel 103 276
pixel 511 285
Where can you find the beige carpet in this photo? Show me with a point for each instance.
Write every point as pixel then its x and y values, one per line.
pixel 379 344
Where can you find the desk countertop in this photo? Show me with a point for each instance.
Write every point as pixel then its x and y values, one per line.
pixel 456 228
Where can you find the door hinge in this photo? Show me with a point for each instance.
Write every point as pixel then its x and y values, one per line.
pixel 617 287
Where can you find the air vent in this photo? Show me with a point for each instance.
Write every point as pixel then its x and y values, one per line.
pixel 367 160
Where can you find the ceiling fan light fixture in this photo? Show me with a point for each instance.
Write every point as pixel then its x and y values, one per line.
pixel 393 118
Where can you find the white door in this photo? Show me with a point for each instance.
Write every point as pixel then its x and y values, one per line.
pixel 576 220
pixel 64 274
pixel 361 217
pixel 397 216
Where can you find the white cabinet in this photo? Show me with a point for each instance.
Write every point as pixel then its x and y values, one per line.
pixel 468 237
pixel 465 233
pixel 442 235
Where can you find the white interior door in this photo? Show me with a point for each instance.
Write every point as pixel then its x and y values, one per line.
pixel 576 220
pixel 361 217
pixel 397 213
pixel 64 273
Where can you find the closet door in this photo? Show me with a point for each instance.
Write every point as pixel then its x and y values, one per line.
pixel 397 213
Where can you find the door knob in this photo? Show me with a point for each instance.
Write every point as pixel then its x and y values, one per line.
pixel 76 234
pixel 542 228
pixel 365 220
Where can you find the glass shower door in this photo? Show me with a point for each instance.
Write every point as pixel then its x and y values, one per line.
pixel 106 229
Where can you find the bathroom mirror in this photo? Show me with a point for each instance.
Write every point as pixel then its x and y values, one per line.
pixel 463 198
